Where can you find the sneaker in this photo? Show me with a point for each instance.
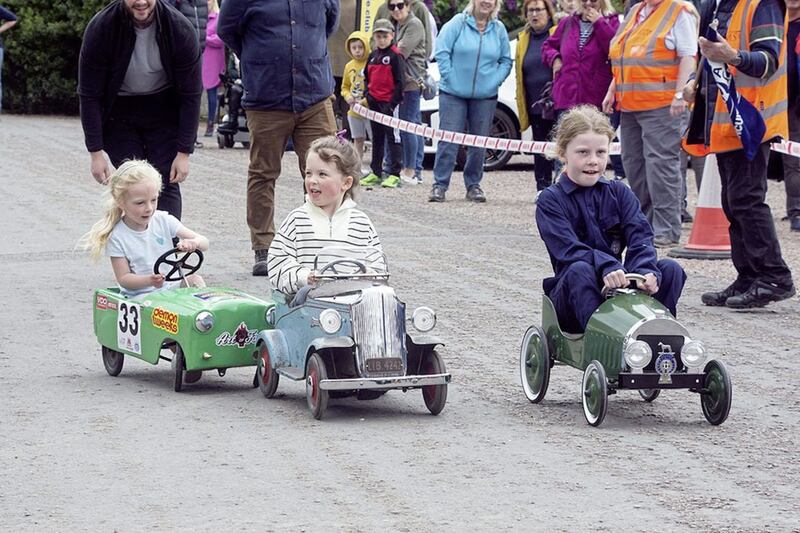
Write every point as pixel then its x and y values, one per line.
pixel 475 194
pixel 198 144
pixel 418 176
pixel 794 223
pixel 437 194
pixel 260 266
pixel 370 179
pixel 758 295
pixel 662 241
pixel 408 180
pixel 391 181
pixel 720 298
pixel 686 217
pixel 209 130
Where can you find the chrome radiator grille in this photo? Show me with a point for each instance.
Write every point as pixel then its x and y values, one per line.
pixel 379 328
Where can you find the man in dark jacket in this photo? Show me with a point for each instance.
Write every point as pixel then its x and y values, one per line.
pixel 288 87
pixel 140 87
pixel 196 12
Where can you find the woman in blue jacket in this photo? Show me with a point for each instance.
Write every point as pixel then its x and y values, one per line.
pixel 474 59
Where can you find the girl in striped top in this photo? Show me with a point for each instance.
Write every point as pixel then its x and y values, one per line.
pixel 327 218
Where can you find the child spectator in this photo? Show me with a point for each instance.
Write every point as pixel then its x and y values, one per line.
pixel 134 234
pixel 353 88
pixel 587 222
pixel 328 216
pixel 383 79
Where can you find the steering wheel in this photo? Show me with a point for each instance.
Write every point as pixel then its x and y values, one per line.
pixel 176 272
pixel 630 276
pixel 343 261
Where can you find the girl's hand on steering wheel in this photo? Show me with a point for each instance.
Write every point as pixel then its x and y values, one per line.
pixel 650 284
pixel 615 279
pixel 187 245
pixel 312 278
pixel 156 280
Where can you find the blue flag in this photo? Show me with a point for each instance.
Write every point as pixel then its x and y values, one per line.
pixel 746 120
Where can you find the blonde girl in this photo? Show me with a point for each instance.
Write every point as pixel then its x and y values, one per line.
pixel 133 234
pixel 327 218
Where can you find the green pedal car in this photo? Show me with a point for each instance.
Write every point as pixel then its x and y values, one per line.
pixel 195 329
pixel 631 342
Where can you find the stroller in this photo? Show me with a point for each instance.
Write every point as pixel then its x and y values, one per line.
pixel 233 126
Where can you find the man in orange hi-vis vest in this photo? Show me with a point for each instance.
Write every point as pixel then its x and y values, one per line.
pixel 652 57
pixel 750 45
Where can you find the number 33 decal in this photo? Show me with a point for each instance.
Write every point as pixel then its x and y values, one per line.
pixel 128 319
pixel 128 327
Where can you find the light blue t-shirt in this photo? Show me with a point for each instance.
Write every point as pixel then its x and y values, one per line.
pixel 142 248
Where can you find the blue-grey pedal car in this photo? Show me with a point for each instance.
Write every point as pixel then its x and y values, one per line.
pixel 346 336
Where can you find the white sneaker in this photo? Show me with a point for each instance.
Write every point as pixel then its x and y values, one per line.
pixel 408 180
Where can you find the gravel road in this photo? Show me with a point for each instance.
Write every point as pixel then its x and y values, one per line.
pixel 81 450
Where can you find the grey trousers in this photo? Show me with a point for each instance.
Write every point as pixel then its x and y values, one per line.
pixel 791 166
pixel 651 144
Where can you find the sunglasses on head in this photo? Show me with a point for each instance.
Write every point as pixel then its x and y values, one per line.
pixel 398 6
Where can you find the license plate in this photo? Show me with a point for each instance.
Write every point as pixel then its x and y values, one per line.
pixel 386 364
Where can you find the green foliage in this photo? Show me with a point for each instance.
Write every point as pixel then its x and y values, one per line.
pixel 41 54
pixel 444 10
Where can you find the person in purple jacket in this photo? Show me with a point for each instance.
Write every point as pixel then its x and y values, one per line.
pixel 213 65
pixel 577 51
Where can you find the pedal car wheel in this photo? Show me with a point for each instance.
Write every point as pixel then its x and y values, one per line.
pixel 192 376
pixel 594 391
pixel 220 141
pixel 177 368
pixel 716 399
pixel 534 364
pixel 649 395
pixel 317 398
pixel 435 396
pixel 113 361
pixel 266 375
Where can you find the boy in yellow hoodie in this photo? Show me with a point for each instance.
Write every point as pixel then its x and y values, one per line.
pixel 353 89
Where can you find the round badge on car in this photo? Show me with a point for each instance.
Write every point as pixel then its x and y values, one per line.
pixel 330 321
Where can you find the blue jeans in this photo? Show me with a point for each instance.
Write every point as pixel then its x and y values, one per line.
pixel 212 104
pixel 409 110
pixel 457 114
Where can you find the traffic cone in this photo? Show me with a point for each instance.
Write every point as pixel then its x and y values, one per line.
pixel 710 238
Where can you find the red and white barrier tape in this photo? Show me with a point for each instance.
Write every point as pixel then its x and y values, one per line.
pixel 513 145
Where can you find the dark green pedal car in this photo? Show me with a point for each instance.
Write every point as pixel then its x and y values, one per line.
pixel 630 342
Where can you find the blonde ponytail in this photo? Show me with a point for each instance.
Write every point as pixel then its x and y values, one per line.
pixel 129 173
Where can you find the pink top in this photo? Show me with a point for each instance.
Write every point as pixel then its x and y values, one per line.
pixel 213 55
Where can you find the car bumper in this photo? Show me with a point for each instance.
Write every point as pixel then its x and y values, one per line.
pixel 652 381
pixel 399 382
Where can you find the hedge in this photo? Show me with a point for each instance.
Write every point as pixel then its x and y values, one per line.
pixel 41 54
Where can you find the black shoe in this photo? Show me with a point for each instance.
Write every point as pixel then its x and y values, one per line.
pixel 437 194
pixel 475 194
pixel 209 130
pixel 686 217
pixel 260 267
pixel 720 298
pixel 758 295
pixel 794 223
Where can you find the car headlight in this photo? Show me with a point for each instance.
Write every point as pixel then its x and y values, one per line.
pixel 330 321
pixel 423 319
pixel 204 321
pixel 269 316
pixel 638 354
pixel 693 353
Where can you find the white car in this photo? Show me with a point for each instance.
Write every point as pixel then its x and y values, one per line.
pixel 505 124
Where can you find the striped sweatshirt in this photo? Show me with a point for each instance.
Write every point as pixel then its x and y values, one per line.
pixel 306 231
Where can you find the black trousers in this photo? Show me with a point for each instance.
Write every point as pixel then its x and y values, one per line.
pixel 542 166
pixel 755 250
pixel 146 127
pixel 380 136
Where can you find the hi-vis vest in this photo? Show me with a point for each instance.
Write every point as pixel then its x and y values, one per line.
pixel 645 71
pixel 768 95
